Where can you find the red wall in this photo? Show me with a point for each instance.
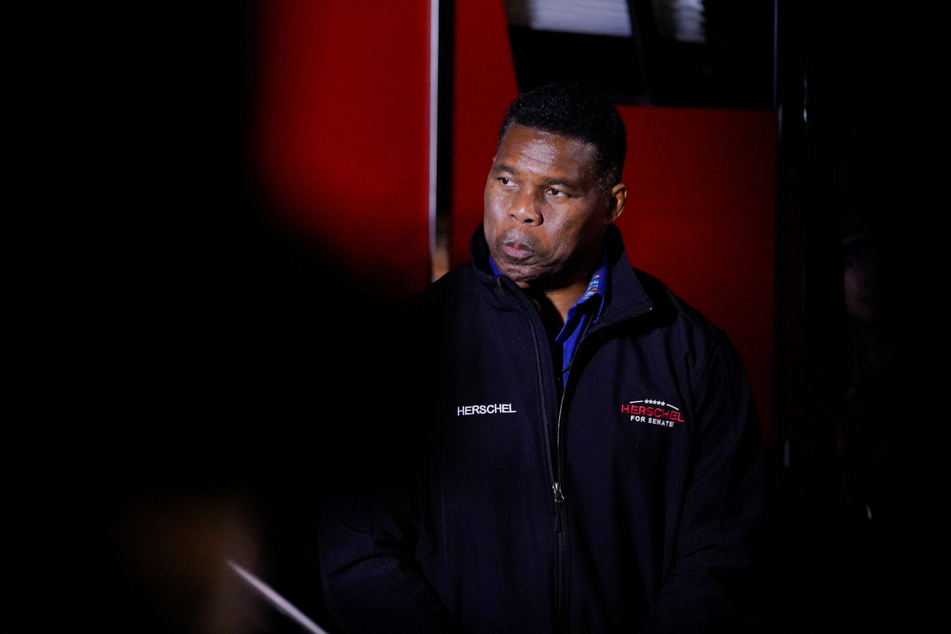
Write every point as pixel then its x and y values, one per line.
pixel 342 134
pixel 701 216
pixel 484 85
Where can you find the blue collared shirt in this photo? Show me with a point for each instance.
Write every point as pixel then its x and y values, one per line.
pixel 583 314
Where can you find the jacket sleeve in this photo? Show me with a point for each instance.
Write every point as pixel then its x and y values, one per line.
pixel 717 530
pixel 371 582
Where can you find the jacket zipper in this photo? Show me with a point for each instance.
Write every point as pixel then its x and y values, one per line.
pixel 561 587
pixel 553 468
pixel 555 464
pixel 557 491
pixel 559 450
pixel 541 382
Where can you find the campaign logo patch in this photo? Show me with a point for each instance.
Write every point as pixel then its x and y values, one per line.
pixel 652 412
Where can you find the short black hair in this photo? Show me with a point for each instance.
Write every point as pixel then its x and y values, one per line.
pixel 577 112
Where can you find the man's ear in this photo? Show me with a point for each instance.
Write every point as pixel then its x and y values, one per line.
pixel 617 201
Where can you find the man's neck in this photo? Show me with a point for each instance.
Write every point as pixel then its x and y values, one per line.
pixel 553 304
pixel 564 298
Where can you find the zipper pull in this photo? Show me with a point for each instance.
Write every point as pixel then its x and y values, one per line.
pixel 559 500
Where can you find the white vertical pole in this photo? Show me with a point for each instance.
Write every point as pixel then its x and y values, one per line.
pixel 433 121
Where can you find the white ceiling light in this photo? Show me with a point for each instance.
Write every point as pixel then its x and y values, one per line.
pixel 594 17
pixel 680 20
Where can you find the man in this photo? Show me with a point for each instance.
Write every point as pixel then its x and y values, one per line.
pixel 581 451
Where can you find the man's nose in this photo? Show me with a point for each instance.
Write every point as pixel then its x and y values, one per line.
pixel 527 208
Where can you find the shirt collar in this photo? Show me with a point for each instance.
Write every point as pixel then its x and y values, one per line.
pixel 596 286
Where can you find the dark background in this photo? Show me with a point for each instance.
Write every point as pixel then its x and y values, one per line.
pixel 176 344
pixel 186 366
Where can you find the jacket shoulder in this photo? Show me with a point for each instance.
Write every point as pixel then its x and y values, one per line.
pixel 673 311
pixel 454 290
pixel 686 329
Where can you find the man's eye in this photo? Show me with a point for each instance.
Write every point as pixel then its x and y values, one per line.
pixel 504 180
pixel 551 191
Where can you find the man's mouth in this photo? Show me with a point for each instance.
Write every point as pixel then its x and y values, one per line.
pixel 517 250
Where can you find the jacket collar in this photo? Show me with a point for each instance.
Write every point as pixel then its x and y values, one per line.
pixel 625 296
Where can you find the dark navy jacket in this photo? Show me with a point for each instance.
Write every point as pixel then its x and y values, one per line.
pixel 629 501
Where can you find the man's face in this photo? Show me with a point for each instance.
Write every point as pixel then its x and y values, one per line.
pixel 545 213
